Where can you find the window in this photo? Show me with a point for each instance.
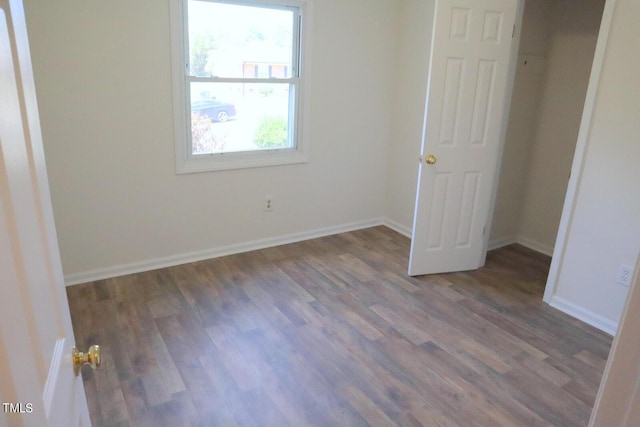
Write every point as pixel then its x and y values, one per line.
pixel 238 89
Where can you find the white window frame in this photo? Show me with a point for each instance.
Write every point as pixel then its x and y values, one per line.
pixel 186 162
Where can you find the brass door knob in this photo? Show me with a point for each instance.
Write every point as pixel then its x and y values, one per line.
pixel 91 358
pixel 430 159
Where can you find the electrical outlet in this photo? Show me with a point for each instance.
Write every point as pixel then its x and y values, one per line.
pixel 268 203
pixel 624 275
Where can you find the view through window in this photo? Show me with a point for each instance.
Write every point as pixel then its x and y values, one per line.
pixel 242 76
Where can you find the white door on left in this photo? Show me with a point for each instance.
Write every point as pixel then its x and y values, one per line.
pixel 468 90
pixel 38 386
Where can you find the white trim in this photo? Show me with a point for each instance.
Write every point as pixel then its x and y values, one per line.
pixel 587 316
pixel 172 260
pixel 579 157
pixel 535 245
pixel 241 160
pixel 397 227
pixel 521 240
pixel 500 243
pixel 153 264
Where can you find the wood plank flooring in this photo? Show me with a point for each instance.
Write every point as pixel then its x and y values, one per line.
pixel 332 332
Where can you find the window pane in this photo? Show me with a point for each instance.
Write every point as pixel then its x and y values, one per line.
pixel 231 117
pixel 228 40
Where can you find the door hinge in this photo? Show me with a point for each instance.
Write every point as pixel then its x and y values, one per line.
pixel 513 33
pixel 484 230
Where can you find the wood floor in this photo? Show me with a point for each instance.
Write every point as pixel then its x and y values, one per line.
pixel 332 332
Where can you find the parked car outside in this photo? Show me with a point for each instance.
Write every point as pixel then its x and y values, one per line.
pixel 216 110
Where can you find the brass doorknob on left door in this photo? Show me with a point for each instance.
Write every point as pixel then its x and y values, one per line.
pixel 430 159
pixel 92 358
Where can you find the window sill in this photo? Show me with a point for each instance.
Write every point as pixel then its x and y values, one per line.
pixel 230 161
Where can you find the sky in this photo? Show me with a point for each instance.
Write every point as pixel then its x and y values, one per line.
pixel 208 16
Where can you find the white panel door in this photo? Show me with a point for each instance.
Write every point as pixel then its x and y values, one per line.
pixel 465 110
pixel 38 386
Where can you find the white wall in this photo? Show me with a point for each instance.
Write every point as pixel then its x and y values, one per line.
pixel 412 66
pixel 103 78
pixel 618 400
pixel 102 71
pixel 604 217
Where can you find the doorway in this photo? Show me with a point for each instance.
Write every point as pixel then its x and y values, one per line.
pixel 557 46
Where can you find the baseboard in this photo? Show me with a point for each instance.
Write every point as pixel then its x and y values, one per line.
pixel 499 243
pixel 534 245
pixel 397 227
pixel 170 261
pixel 524 241
pixel 153 264
pixel 589 317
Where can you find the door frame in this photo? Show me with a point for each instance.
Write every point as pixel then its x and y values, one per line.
pixel 579 158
